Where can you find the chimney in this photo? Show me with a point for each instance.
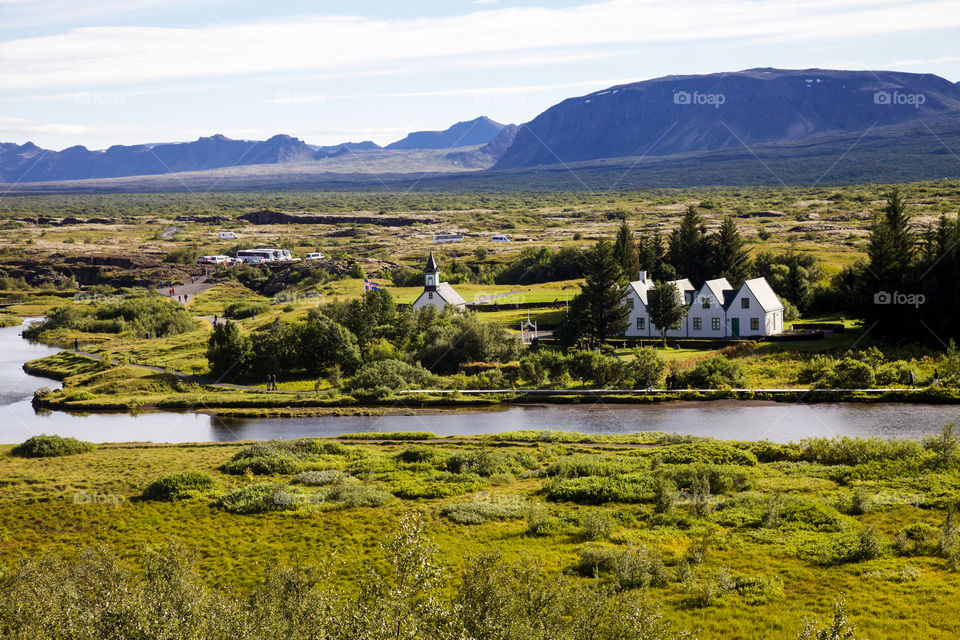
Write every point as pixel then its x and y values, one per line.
pixel 643 277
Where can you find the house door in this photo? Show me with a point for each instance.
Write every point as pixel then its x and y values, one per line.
pixel 735 327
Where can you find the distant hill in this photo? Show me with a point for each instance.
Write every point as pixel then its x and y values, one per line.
pixel 341 149
pixel 30 162
pixel 682 114
pixel 463 134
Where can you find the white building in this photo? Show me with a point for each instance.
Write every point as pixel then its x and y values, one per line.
pixel 435 293
pixel 715 310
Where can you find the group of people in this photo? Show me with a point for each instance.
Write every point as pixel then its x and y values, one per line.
pixel 272 382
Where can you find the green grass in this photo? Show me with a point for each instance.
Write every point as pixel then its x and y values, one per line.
pixel 94 498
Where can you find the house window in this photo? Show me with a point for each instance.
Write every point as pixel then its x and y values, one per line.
pixel 697 324
pixel 706 303
pixel 715 324
pixel 630 303
pixel 430 294
pixel 754 324
pixel 744 303
pixel 641 323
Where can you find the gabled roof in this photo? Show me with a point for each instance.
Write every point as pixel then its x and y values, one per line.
pixel 686 289
pixel 717 287
pixel 431 264
pixel 449 294
pixel 764 294
pixel 641 287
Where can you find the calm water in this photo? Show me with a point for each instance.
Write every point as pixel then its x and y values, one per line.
pixel 728 420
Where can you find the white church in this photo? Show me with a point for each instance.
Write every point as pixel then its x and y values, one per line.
pixel 715 310
pixel 435 293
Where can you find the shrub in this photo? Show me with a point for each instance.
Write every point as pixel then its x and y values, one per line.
pixel 275 464
pixel 44 446
pixel 706 453
pixel 631 488
pixel 583 464
pixel 262 497
pixel 639 566
pixel 715 372
pixel 440 485
pixel 319 447
pixel 348 496
pixel 420 453
pixel 805 513
pixel 480 512
pixel 850 374
pixel 179 486
pixel 595 560
pixel 390 435
pixel 322 478
pixel 385 377
pixel 483 462
pixel 240 310
pixel 594 525
pixel 540 522
pixel 664 495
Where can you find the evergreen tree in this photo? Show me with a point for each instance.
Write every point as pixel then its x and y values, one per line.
pixel 731 259
pixel 600 302
pixel 666 307
pixel 625 251
pixel 892 243
pixel 689 247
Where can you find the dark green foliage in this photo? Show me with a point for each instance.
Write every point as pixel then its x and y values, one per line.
pixel 706 453
pixel 730 258
pixel 597 311
pixel 625 251
pixel 439 485
pixel 44 446
pixel 386 377
pixel 319 447
pixel 240 310
pixel 715 372
pixel 666 308
pixel 535 265
pixel 263 497
pixel 484 462
pixel 349 496
pixel 150 316
pixel 792 275
pixel 478 512
pixel 630 488
pixel 179 486
pixel 689 251
pixel 420 453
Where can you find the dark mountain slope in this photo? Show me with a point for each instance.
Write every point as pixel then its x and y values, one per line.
pixel 680 114
pixel 463 134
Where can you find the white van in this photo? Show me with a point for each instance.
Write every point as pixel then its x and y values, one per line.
pixel 314 256
pixel 499 238
pixel 227 235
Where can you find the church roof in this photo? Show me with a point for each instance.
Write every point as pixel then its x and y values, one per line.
pixel 431 264
pixel 449 294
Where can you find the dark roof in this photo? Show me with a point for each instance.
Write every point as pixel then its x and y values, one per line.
pixel 431 264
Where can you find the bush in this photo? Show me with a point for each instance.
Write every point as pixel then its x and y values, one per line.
pixel 142 317
pixel 44 446
pixel 632 488
pixel 240 310
pixel 715 372
pixel 595 560
pixel 323 478
pixel 640 566
pixel 480 512
pixel 594 525
pixel 319 447
pixel 420 453
pixel 850 374
pixel 262 497
pixel 386 377
pixel 275 464
pixel 440 485
pixel 583 464
pixel 483 462
pixel 348 496
pixel 179 486
pixel 706 453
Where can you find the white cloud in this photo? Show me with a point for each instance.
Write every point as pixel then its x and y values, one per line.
pixel 98 56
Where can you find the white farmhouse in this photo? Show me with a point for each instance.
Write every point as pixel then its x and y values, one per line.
pixel 754 310
pixel 715 310
pixel 435 293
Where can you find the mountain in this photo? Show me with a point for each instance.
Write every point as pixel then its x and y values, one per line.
pixel 341 149
pixel 485 156
pixel 463 134
pixel 28 162
pixel 682 114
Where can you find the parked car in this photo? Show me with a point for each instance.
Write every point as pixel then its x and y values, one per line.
pixel 499 238
pixel 314 256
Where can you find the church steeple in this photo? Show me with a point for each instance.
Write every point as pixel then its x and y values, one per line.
pixel 431 273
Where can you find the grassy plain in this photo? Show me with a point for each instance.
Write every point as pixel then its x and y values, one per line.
pixel 568 499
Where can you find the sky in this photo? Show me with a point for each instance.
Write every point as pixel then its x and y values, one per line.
pixel 99 73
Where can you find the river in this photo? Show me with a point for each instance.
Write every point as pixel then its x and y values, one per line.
pixel 780 422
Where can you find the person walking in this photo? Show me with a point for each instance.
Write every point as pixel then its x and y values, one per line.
pixel 76 345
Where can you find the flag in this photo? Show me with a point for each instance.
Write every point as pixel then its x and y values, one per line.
pixel 369 285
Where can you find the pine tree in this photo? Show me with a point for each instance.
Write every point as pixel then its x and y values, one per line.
pixel 731 259
pixel 625 251
pixel 601 296
pixel 892 243
pixel 688 251
pixel 666 307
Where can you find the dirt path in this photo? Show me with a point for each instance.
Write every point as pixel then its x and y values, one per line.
pixel 190 289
